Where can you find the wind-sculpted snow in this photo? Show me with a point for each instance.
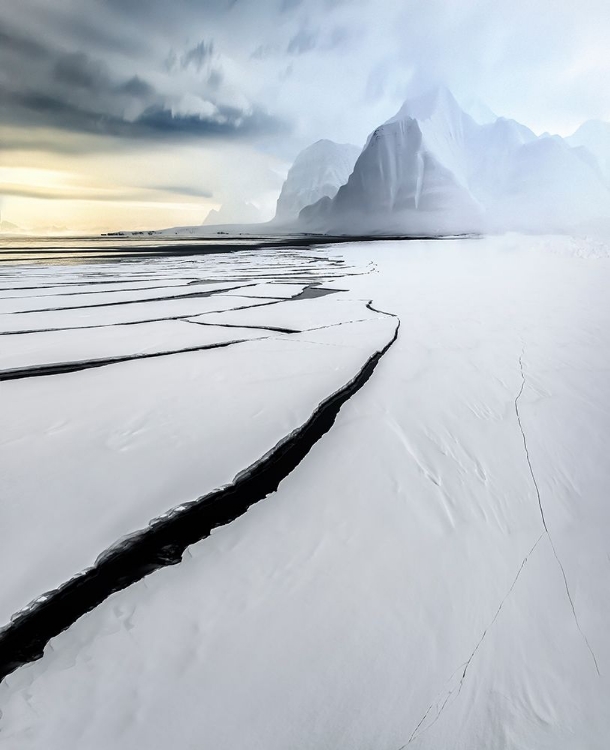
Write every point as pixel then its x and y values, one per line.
pixel 432 573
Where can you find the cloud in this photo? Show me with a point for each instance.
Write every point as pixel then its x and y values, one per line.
pixel 197 56
pixel 303 41
pixel 188 190
pixel 75 91
pixel 268 77
pixel 137 88
pixel 224 122
pixel 157 121
pixel 79 70
pixel 15 44
pixel 88 194
pixel 288 5
pixel 215 78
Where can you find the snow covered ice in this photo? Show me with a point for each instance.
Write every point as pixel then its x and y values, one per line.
pixel 434 572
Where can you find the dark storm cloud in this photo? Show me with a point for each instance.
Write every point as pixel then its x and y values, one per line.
pixel 230 122
pixel 156 122
pixel 11 42
pixel 47 86
pixel 163 14
pixel 92 34
pixel 136 88
pixel 165 68
pixel 79 70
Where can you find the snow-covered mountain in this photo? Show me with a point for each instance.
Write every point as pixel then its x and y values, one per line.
pixel 318 171
pixel 7 227
pixel 234 213
pixel 594 135
pixel 432 169
pixel 479 111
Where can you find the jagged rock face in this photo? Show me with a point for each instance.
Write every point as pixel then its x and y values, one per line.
pixel 432 168
pixel 318 171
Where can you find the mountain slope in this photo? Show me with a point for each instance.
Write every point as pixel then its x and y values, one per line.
pixel 318 171
pixel 594 135
pixel 233 213
pixel 396 183
pixel 431 168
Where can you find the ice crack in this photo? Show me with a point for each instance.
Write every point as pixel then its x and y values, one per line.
pixel 164 541
pixel 464 667
pixel 542 516
pixel 62 368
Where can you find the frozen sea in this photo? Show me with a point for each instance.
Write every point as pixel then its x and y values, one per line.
pixel 370 479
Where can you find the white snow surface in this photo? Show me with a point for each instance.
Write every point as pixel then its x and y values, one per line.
pixel 113 447
pixel 54 347
pixel 434 574
pixel 299 315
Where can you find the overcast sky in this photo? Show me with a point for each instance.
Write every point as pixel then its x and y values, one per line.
pixel 148 113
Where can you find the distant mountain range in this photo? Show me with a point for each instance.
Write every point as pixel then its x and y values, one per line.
pixel 8 228
pixel 433 169
pixel 229 212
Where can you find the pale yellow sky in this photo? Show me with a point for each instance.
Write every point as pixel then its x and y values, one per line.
pixel 98 187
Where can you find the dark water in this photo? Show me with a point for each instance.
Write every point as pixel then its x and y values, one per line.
pixel 67 250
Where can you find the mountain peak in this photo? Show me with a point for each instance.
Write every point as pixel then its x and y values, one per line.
pixel 435 100
pixel 594 127
pixel 318 171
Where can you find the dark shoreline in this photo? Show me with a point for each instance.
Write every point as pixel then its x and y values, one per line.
pixel 109 247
